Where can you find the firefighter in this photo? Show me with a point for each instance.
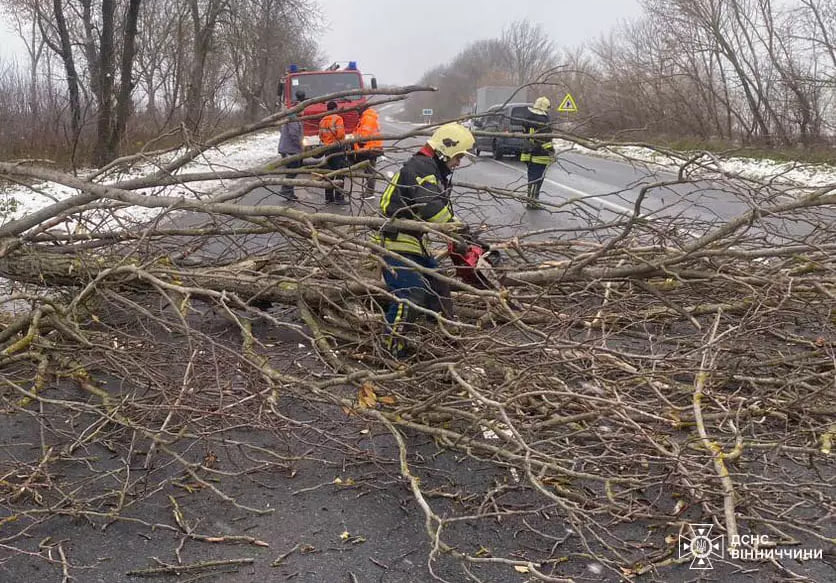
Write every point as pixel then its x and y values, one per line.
pixel 332 134
pixel 538 150
pixel 368 127
pixel 419 191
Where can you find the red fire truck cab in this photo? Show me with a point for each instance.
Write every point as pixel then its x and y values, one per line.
pixel 318 83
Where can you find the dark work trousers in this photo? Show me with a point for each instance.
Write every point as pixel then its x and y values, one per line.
pixel 421 289
pixel 536 176
pixel 371 171
pixel 287 189
pixel 336 160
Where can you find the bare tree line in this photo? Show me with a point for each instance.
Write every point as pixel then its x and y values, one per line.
pixel 522 55
pixel 752 71
pixel 98 71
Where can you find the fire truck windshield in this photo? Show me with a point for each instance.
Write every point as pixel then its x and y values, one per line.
pixel 318 84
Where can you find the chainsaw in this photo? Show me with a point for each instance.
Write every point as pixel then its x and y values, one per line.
pixel 474 262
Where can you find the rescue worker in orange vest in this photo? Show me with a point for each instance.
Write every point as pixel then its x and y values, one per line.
pixel 332 134
pixel 368 127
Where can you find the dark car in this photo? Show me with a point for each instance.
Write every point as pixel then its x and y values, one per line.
pixel 501 118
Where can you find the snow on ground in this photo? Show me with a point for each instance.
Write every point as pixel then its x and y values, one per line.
pixel 790 173
pixel 251 151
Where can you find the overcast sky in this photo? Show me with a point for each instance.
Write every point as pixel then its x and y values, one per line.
pixel 399 40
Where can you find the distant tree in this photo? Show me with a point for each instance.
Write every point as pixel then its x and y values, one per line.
pixel 263 36
pixel 24 17
pixel 484 62
pixel 159 59
pixel 530 51
pixel 205 17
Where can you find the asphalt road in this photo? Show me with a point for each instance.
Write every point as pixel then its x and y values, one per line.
pixel 587 189
pixel 579 191
pixel 599 190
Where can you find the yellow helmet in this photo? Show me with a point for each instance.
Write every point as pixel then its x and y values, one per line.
pixel 543 104
pixel 450 140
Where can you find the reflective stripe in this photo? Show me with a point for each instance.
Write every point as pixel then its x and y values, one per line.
pixel 541 159
pixel 401 243
pixel 525 157
pixel 430 178
pixel 404 243
pixel 445 215
pixel 394 332
pixel 387 194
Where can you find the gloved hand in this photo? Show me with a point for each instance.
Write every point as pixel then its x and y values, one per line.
pixel 461 237
pixel 461 229
pixel 459 246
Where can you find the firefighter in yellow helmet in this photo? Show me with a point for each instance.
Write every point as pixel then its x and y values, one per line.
pixel 420 191
pixel 538 152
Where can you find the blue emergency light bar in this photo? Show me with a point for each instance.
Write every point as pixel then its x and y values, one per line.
pixel 293 69
pixel 352 66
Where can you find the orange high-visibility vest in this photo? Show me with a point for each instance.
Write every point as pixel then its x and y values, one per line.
pixel 368 126
pixel 331 129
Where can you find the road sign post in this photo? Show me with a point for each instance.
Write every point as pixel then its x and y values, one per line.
pixel 428 115
pixel 568 106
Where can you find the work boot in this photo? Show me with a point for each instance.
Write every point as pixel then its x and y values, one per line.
pixel 339 197
pixel 371 183
pixel 288 194
pixel 530 203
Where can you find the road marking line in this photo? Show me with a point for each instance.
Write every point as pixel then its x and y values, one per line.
pixel 586 196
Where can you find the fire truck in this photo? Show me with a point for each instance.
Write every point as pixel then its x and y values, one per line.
pixel 318 83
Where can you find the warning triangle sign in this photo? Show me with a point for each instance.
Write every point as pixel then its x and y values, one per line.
pixel 568 104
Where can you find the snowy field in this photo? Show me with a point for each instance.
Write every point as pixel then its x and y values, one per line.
pixel 253 151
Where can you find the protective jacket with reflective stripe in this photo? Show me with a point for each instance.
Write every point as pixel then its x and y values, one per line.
pixel 538 149
pixel 420 192
pixel 331 129
pixel 368 127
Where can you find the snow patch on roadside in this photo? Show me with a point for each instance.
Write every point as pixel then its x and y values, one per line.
pixel 762 170
pixel 252 151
